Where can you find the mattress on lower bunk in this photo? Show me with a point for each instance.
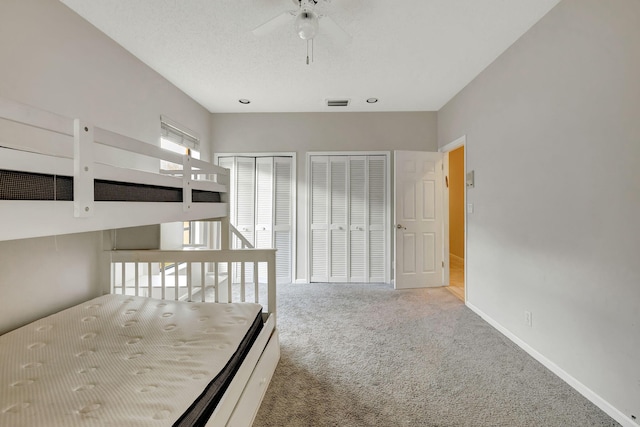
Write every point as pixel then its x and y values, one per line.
pixel 124 361
pixel 15 185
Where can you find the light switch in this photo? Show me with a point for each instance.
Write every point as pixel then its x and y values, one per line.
pixel 471 180
pixel 470 208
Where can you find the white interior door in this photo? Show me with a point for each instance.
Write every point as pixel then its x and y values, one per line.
pixel 419 219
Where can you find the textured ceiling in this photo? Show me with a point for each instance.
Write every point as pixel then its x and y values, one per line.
pixel 414 55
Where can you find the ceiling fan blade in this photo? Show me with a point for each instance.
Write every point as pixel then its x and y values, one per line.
pixel 273 23
pixel 333 30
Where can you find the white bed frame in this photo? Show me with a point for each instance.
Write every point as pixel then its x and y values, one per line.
pixel 32 140
pixel 36 141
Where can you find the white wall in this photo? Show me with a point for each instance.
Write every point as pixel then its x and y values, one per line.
pixel 553 134
pixel 53 59
pixel 306 132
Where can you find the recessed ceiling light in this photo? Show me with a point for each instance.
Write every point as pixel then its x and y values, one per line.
pixel 244 101
pixel 372 100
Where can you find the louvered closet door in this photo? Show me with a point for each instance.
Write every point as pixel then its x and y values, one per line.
pixel 348 219
pixel 245 197
pixel 376 210
pixel 283 217
pixel 319 216
pixel 264 209
pixel 358 218
pixel 338 228
pixel 245 208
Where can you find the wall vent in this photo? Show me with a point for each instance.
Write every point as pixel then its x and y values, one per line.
pixel 337 102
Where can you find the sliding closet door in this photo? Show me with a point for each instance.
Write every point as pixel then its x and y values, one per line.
pixel 348 219
pixel 319 219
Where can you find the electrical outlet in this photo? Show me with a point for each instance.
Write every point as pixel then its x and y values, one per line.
pixel 528 318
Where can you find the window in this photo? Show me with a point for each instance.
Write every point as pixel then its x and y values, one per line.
pixel 178 139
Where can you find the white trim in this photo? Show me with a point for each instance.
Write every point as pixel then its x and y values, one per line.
pixel 453 145
pixel 388 219
pixel 592 396
pixel 300 281
pixel 457 143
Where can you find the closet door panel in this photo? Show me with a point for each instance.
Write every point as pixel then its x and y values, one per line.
pixel 282 213
pixel 376 208
pixel 245 197
pixel 264 209
pixel 245 175
pixel 348 218
pixel 357 218
pixel 319 218
pixel 339 219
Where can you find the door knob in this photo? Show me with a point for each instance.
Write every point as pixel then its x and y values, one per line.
pixel 401 227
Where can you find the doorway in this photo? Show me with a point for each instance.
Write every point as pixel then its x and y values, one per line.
pixel 455 228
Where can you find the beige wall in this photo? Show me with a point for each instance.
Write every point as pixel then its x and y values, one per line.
pixel 53 59
pixel 456 202
pixel 553 135
pixel 307 132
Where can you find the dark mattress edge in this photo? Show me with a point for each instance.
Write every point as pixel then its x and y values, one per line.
pixel 200 411
pixel 17 185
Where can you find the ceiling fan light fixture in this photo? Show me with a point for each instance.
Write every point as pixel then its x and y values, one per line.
pixel 306 24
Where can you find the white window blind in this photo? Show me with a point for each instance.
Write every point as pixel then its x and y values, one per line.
pixel 178 134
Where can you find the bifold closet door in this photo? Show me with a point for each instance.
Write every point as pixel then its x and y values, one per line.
pixel 261 208
pixel 245 194
pixel 377 201
pixel 338 227
pixel 358 219
pixel 319 219
pixel 283 217
pixel 348 216
pixel 274 185
pixel 264 208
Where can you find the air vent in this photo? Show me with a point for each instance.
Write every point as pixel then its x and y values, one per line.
pixel 337 102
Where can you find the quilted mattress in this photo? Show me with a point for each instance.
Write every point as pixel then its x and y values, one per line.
pixel 123 361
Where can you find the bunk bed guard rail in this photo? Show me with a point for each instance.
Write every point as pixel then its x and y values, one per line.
pixel 40 142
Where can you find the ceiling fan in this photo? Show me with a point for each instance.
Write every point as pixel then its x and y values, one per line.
pixel 306 23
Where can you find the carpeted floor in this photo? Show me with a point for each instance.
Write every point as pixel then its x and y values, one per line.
pixel 367 355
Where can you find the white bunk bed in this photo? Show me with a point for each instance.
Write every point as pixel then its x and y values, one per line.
pixel 39 149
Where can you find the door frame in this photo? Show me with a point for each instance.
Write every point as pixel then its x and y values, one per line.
pixel 445 149
pixel 294 196
pixel 387 210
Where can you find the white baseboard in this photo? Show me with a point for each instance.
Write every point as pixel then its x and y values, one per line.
pixel 300 281
pixel 609 409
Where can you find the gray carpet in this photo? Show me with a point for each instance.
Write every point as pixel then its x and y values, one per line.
pixel 367 355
